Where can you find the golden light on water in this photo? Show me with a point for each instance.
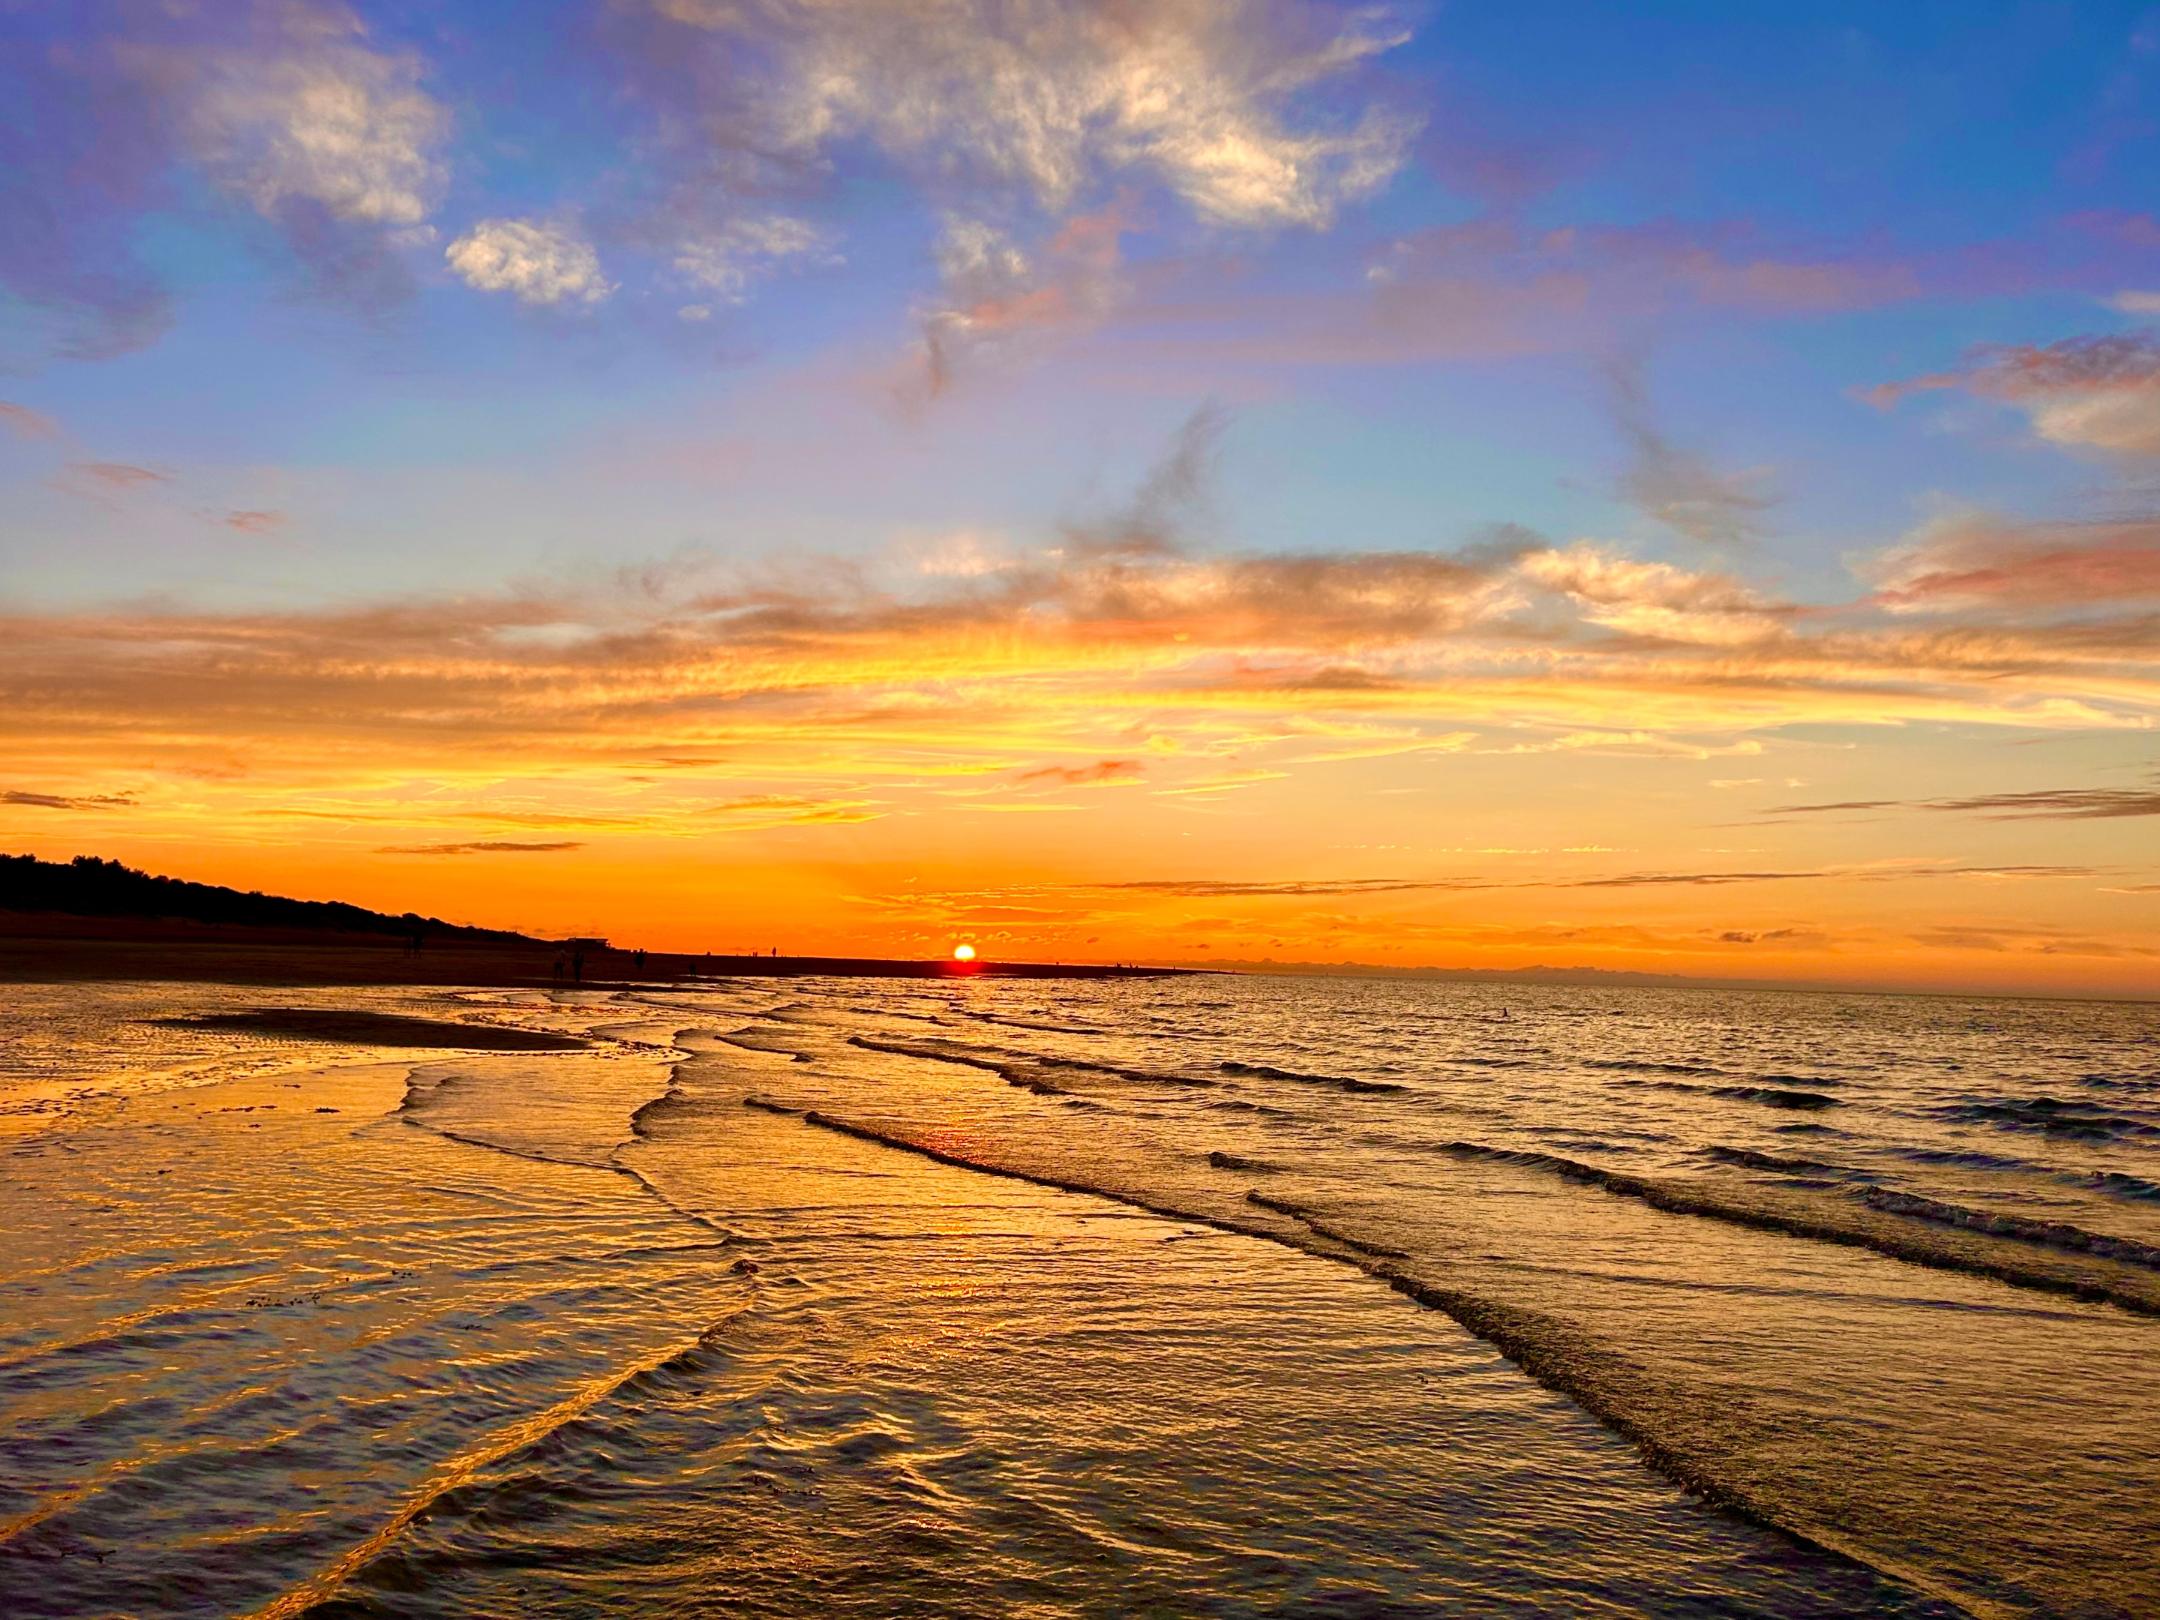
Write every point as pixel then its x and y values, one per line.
pixel 963 952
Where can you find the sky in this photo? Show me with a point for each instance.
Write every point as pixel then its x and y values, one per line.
pixel 1669 488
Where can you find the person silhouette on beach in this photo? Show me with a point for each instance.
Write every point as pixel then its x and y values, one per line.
pixel 577 966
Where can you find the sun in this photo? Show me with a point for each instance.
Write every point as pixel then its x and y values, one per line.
pixel 963 953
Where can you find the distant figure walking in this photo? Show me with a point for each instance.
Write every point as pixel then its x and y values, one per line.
pixel 577 966
pixel 558 969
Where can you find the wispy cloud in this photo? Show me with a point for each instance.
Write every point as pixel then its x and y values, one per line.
pixel 62 801
pixel 2062 804
pixel 1206 97
pixel 2094 393
pixel 483 846
pixel 25 423
pixel 111 477
pixel 1677 487
pixel 1291 888
pixel 1100 772
pixel 255 521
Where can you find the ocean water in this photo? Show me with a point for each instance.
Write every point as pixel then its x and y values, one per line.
pixel 1206 1296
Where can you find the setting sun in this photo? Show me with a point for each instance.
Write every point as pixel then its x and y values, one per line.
pixel 963 953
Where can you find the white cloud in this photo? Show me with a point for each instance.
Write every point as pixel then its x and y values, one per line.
pixel 724 260
pixel 1652 598
pixel 971 252
pixel 322 119
pixel 539 261
pixel 1200 93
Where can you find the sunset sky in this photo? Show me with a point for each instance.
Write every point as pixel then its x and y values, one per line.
pixel 1666 487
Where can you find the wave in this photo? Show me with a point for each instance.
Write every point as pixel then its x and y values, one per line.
pixel 1767 1096
pixel 646 1115
pixel 1313 1221
pixel 1776 1096
pixel 895 1012
pixel 1018 1068
pixel 2056 1116
pixel 938 1052
pixel 2121 1184
pixel 1821 1214
pixel 1029 1023
pixel 1264 1071
pixel 1968 1158
pixel 758 1040
pixel 1752 1159
pixel 2053 1234
pixel 2121 1082
pixel 1234 1161
pixel 1647 1066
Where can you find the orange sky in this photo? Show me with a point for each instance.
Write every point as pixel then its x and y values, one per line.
pixel 1228 480
pixel 1528 754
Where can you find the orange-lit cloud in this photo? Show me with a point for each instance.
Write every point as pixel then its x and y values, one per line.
pixel 2095 393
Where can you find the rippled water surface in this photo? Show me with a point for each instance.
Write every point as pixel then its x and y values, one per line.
pixel 1203 1296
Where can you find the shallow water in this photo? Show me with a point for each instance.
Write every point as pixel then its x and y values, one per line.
pixel 1180 1297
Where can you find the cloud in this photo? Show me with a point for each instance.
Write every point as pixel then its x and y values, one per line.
pixel 1170 498
pixel 998 303
pixel 56 801
pixel 2062 804
pixel 1118 640
pixel 759 811
pixel 1305 888
pixel 484 846
pixel 255 521
pixel 2095 393
pixel 538 261
pixel 1295 888
pixel 1223 101
pixel 101 480
pixel 723 260
pixel 1676 487
pixel 1100 772
pixel 1637 880
pixel 315 119
pixel 285 106
pixel 1978 560
pixel 25 423
pixel 1655 599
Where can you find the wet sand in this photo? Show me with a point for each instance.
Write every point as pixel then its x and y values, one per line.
pixel 377 1029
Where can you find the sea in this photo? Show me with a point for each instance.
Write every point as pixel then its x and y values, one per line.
pixel 1198 1296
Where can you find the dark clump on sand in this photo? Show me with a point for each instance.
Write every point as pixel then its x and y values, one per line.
pixel 377 1029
